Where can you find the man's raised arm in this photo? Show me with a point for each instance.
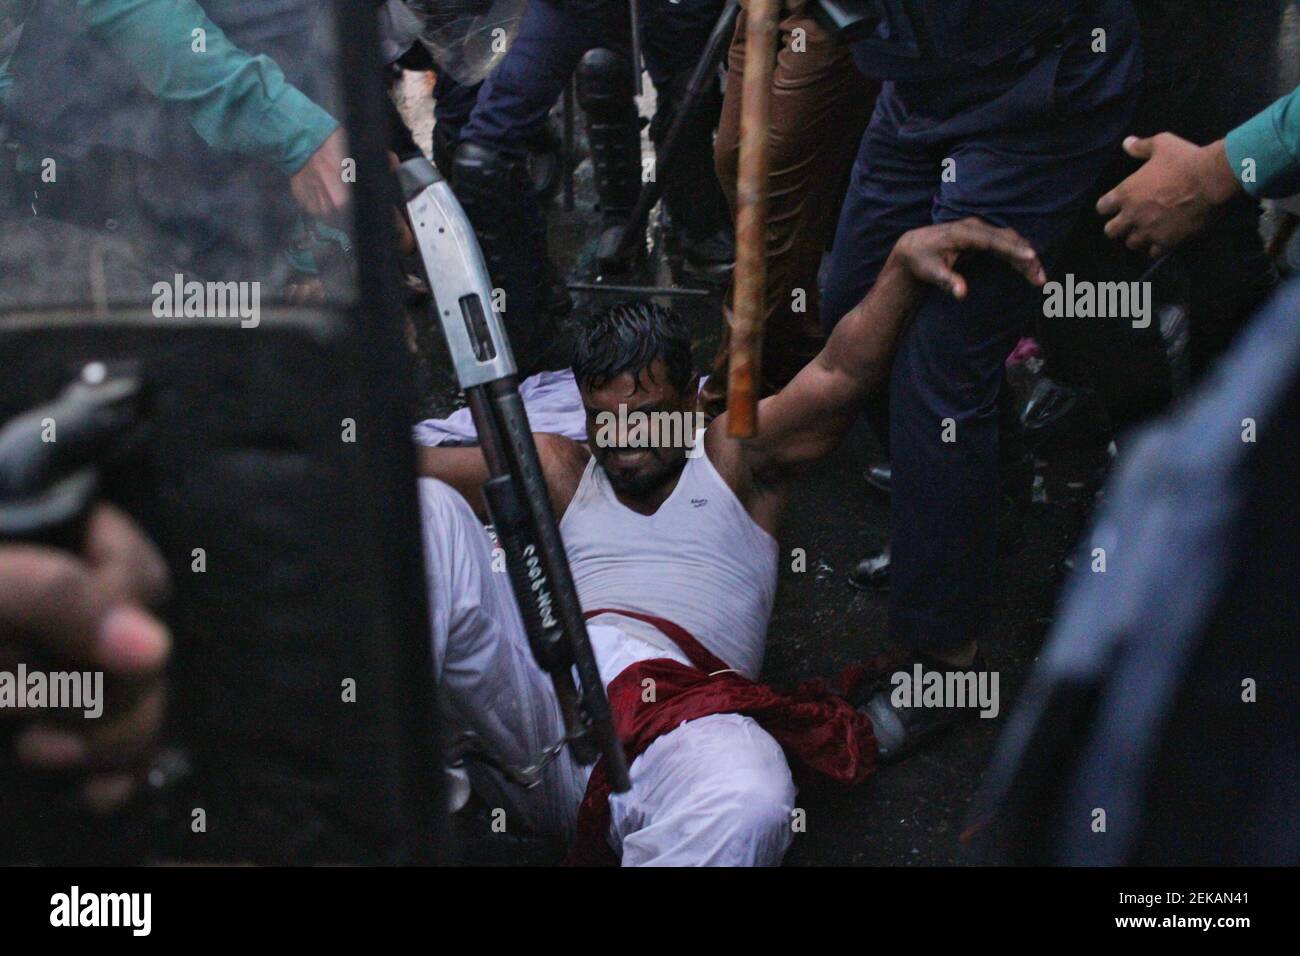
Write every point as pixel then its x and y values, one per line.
pixel 807 418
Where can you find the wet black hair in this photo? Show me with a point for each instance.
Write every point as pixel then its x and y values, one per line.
pixel 628 337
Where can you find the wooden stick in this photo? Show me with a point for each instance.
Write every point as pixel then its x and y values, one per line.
pixel 748 298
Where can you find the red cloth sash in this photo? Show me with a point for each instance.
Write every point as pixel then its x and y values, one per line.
pixel 815 725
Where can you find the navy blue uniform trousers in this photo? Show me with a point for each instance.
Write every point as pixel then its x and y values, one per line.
pixel 515 99
pixel 1019 145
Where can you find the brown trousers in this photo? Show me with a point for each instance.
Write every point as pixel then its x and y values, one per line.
pixel 820 106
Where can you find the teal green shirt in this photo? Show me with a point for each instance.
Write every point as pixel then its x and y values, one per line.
pixel 236 101
pixel 1265 150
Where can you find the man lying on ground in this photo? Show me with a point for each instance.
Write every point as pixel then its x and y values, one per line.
pixel 678 552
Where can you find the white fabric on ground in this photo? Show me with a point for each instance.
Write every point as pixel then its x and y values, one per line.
pixel 715 791
pixel 551 399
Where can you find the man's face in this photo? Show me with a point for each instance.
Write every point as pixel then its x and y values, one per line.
pixel 639 462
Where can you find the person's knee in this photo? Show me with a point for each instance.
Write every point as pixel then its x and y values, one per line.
pixel 755 825
pixel 763 808
pixel 446 518
pixel 715 792
pixel 944 369
pixel 750 795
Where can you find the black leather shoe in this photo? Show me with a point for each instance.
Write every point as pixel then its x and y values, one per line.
pixel 879 477
pixel 902 730
pixel 872 572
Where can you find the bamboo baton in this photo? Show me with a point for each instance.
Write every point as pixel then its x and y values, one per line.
pixel 751 221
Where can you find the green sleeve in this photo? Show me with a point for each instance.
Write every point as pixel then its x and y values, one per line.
pixel 1265 150
pixel 236 101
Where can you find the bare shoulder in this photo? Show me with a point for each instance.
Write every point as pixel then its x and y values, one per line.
pixel 763 496
pixel 563 462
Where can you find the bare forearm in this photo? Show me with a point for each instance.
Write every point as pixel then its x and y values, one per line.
pixel 806 419
pixel 858 352
pixel 463 468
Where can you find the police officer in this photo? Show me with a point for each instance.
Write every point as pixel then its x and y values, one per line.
pixel 1008 110
pixel 1209 67
pixel 202 129
pixel 591 37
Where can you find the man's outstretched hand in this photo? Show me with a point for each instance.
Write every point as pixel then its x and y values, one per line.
pixel 88 612
pixel 1172 196
pixel 807 419
pixel 930 253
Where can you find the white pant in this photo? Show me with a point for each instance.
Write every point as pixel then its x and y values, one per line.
pixel 714 792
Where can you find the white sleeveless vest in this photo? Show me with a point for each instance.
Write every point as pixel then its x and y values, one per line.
pixel 700 561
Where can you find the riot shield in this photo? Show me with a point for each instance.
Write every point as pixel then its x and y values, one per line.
pixel 217 341
pixel 467 38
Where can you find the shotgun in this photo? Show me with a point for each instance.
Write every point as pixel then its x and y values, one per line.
pixel 515 494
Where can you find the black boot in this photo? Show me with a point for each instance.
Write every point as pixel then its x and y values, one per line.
pixel 606 93
pixel 699 219
pixel 496 192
